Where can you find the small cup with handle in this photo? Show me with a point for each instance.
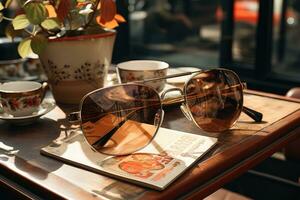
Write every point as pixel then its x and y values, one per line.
pixel 21 98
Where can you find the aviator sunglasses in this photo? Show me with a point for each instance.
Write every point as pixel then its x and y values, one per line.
pixel 124 118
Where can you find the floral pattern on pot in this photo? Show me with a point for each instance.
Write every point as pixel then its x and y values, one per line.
pixel 86 71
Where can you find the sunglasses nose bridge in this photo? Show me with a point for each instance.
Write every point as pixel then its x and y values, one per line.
pixel 163 95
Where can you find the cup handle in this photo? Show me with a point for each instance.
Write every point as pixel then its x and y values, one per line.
pixel 45 87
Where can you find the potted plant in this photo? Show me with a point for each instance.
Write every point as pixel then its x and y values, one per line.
pixel 73 38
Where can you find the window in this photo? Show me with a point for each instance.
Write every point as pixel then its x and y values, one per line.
pixel 286 42
pixel 180 32
pixel 256 38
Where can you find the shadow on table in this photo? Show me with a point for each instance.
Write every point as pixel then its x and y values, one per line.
pixel 27 142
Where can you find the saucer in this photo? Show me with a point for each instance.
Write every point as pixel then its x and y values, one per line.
pixel 46 106
pixel 20 78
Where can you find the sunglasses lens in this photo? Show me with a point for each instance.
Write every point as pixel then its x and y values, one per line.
pixel 215 99
pixel 121 119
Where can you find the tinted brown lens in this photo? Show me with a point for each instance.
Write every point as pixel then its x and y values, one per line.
pixel 215 99
pixel 121 119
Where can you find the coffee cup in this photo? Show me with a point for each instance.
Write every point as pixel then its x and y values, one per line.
pixel 136 70
pixel 21 98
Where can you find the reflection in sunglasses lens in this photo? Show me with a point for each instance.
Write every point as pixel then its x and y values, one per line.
pixel 215 99
pixel 120 120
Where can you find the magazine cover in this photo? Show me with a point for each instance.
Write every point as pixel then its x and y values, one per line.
pixel 156 166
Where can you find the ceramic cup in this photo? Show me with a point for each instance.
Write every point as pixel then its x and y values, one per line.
pixel 12 69
pixel 21 98
pixel 11 64
pixel 135 70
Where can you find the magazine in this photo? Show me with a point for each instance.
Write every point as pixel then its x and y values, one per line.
pixel 156 166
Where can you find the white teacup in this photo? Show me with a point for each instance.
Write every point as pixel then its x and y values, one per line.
pixel 136 70
pixel 21 98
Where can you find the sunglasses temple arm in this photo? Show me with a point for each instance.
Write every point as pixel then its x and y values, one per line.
pixel 168 76
pixel 256 116
pixel 102 141
pixel 108 135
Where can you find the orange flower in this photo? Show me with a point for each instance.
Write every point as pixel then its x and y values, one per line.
pixel 81 4
pixel 51 11
pixel 108 17
pixel 108 10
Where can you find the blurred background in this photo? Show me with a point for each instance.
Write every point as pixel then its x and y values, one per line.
pixel 257 39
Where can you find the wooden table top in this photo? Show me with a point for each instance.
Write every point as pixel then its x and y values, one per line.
pixel 238 149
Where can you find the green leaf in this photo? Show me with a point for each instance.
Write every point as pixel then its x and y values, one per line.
pixel 39 43
pixel 1 6
pixel 1 17
pixel 20 22
pixel 35 12
pixel 24 48
pixel 50 23
pixel 7 4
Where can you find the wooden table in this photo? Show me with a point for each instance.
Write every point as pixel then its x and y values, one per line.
pixel 30 174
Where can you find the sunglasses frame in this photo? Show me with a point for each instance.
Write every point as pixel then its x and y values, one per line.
pixel 255 115
pixel 75 117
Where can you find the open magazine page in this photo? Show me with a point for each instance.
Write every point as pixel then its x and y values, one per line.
pixel 155 166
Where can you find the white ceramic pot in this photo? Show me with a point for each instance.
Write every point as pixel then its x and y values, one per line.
pixel 77 65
